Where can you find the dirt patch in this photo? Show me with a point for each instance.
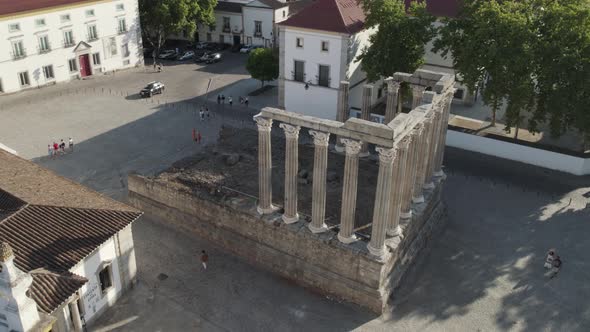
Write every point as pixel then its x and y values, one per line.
pixel 216 167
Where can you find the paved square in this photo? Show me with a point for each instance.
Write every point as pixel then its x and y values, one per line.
pixel 483 273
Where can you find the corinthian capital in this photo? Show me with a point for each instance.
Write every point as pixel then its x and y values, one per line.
pixel 386 155
pixel 352 147
pixel 417 90
pixel 290 131
pixel 263 124
pixel 320 138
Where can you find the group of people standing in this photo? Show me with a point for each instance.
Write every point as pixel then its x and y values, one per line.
pixel 204 112
pixel 230 101
pixel 56 149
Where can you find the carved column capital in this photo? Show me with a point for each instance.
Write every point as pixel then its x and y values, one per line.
pixel 392 85
pixel 404 143
pixel 417 90
pixel 263 123
pixel 290 131
pixel 386 155
pixel 320 138
pixel 352 147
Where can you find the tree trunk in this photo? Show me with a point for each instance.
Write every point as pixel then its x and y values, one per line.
pixel 494 110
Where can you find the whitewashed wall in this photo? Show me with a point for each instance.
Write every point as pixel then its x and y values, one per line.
pixel 106 20
pixel 521 153
pixel 265 15
pixel 316 101
pixel 235 22
pixel 91 295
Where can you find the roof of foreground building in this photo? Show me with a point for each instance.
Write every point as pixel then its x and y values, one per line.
pixel 13 7
pixel 52 224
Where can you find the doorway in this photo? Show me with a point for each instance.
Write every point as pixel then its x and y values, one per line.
pixel 237 40
pixel 85 65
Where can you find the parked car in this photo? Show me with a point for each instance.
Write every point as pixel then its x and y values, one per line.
pixel 167 54
pixel 214 57
pixel 151 89
pixel 186 56
pixel 249 48
pixel 201 45
pixel 203 57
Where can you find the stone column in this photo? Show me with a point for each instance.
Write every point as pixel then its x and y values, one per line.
pixel 392 99
pixel 408 185
pixel 383 200
pixel 264 166
pixel 421 147
pixel 291 168
pixel 75 312
pixel 320 165
pixel 399 177
pixel 349 191
pixel 417 94
pixel 366 113
pixel 438 172
pixel 433 137
pixel 343 110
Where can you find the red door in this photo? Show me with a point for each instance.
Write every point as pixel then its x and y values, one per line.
pixel 85 65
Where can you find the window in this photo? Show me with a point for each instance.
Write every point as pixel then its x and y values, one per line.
pixel 1 88
pixel 96 59
pixel 208 37
pixel 40 22
pixel 14 27
pixel 73 65
pixel 48 72
pixel 325 46
pixel 92 34
pixel 284 14
pixel 23 78
pixel 113 45
pixel 18 51
pixel 68 38
pixel 458 94
pixel 65 18
pixel 120 7
pixel 299 74
pixel 257 28
pixel 212 28
pixel 226 25
pixel 122 26
pixel 324 75
pixel 44 44
pixel 90 13
pixel 125 50
pixel 105 279
pixel 299 42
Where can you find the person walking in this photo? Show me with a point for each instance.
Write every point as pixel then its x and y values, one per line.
pixel 49 150
pixel 199 137
pixel 222 99
pixel 246 101
pixel 218 99
pixel 71 144
pixel 204 259
pixel 62 146
pixel 55 148
pixel 207 112
pixel 231 101
pixel 202 114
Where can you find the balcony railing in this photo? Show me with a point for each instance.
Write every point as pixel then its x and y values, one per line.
pixel 69 43
pixel 92 38
pixel 45 49
pixel 19 55
pixel 257 34
pixel 121 30
pixel 226 29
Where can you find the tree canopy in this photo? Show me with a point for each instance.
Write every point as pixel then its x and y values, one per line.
pixel 534 55
pixel 263 64
pixel 400 39
pixel 161 18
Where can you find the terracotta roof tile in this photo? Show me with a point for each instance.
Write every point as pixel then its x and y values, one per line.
pixel 9 204
pixel 50 289
pixel 342 16
pixel 39 186
pixel 18 6
pixel 57 238
pixel 232 7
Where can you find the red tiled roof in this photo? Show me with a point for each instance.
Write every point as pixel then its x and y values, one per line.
pixel 342 16
pixel 57 238
pixel 50 290
pixel 18 6
pixel 9 204
pixel 347 16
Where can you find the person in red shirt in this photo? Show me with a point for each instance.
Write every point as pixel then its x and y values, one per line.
pixel 55 148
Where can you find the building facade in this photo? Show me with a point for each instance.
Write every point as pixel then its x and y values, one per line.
pixel 72 247
pixel 318 48
pixel 228 27
pixel 55 41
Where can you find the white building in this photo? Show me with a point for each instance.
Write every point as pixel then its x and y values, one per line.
pixel 70 249
pixel 318 47
pixel 46 42
pixel 249 22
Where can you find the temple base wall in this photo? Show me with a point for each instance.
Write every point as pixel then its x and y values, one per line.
pixel 316 261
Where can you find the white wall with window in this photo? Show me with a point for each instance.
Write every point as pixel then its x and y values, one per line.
pixel 31 41
pixel 258 24
pixel 228 26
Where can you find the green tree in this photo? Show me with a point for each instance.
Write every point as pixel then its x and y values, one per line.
pixel 399 43
pixel 161 18
pixel 263 64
